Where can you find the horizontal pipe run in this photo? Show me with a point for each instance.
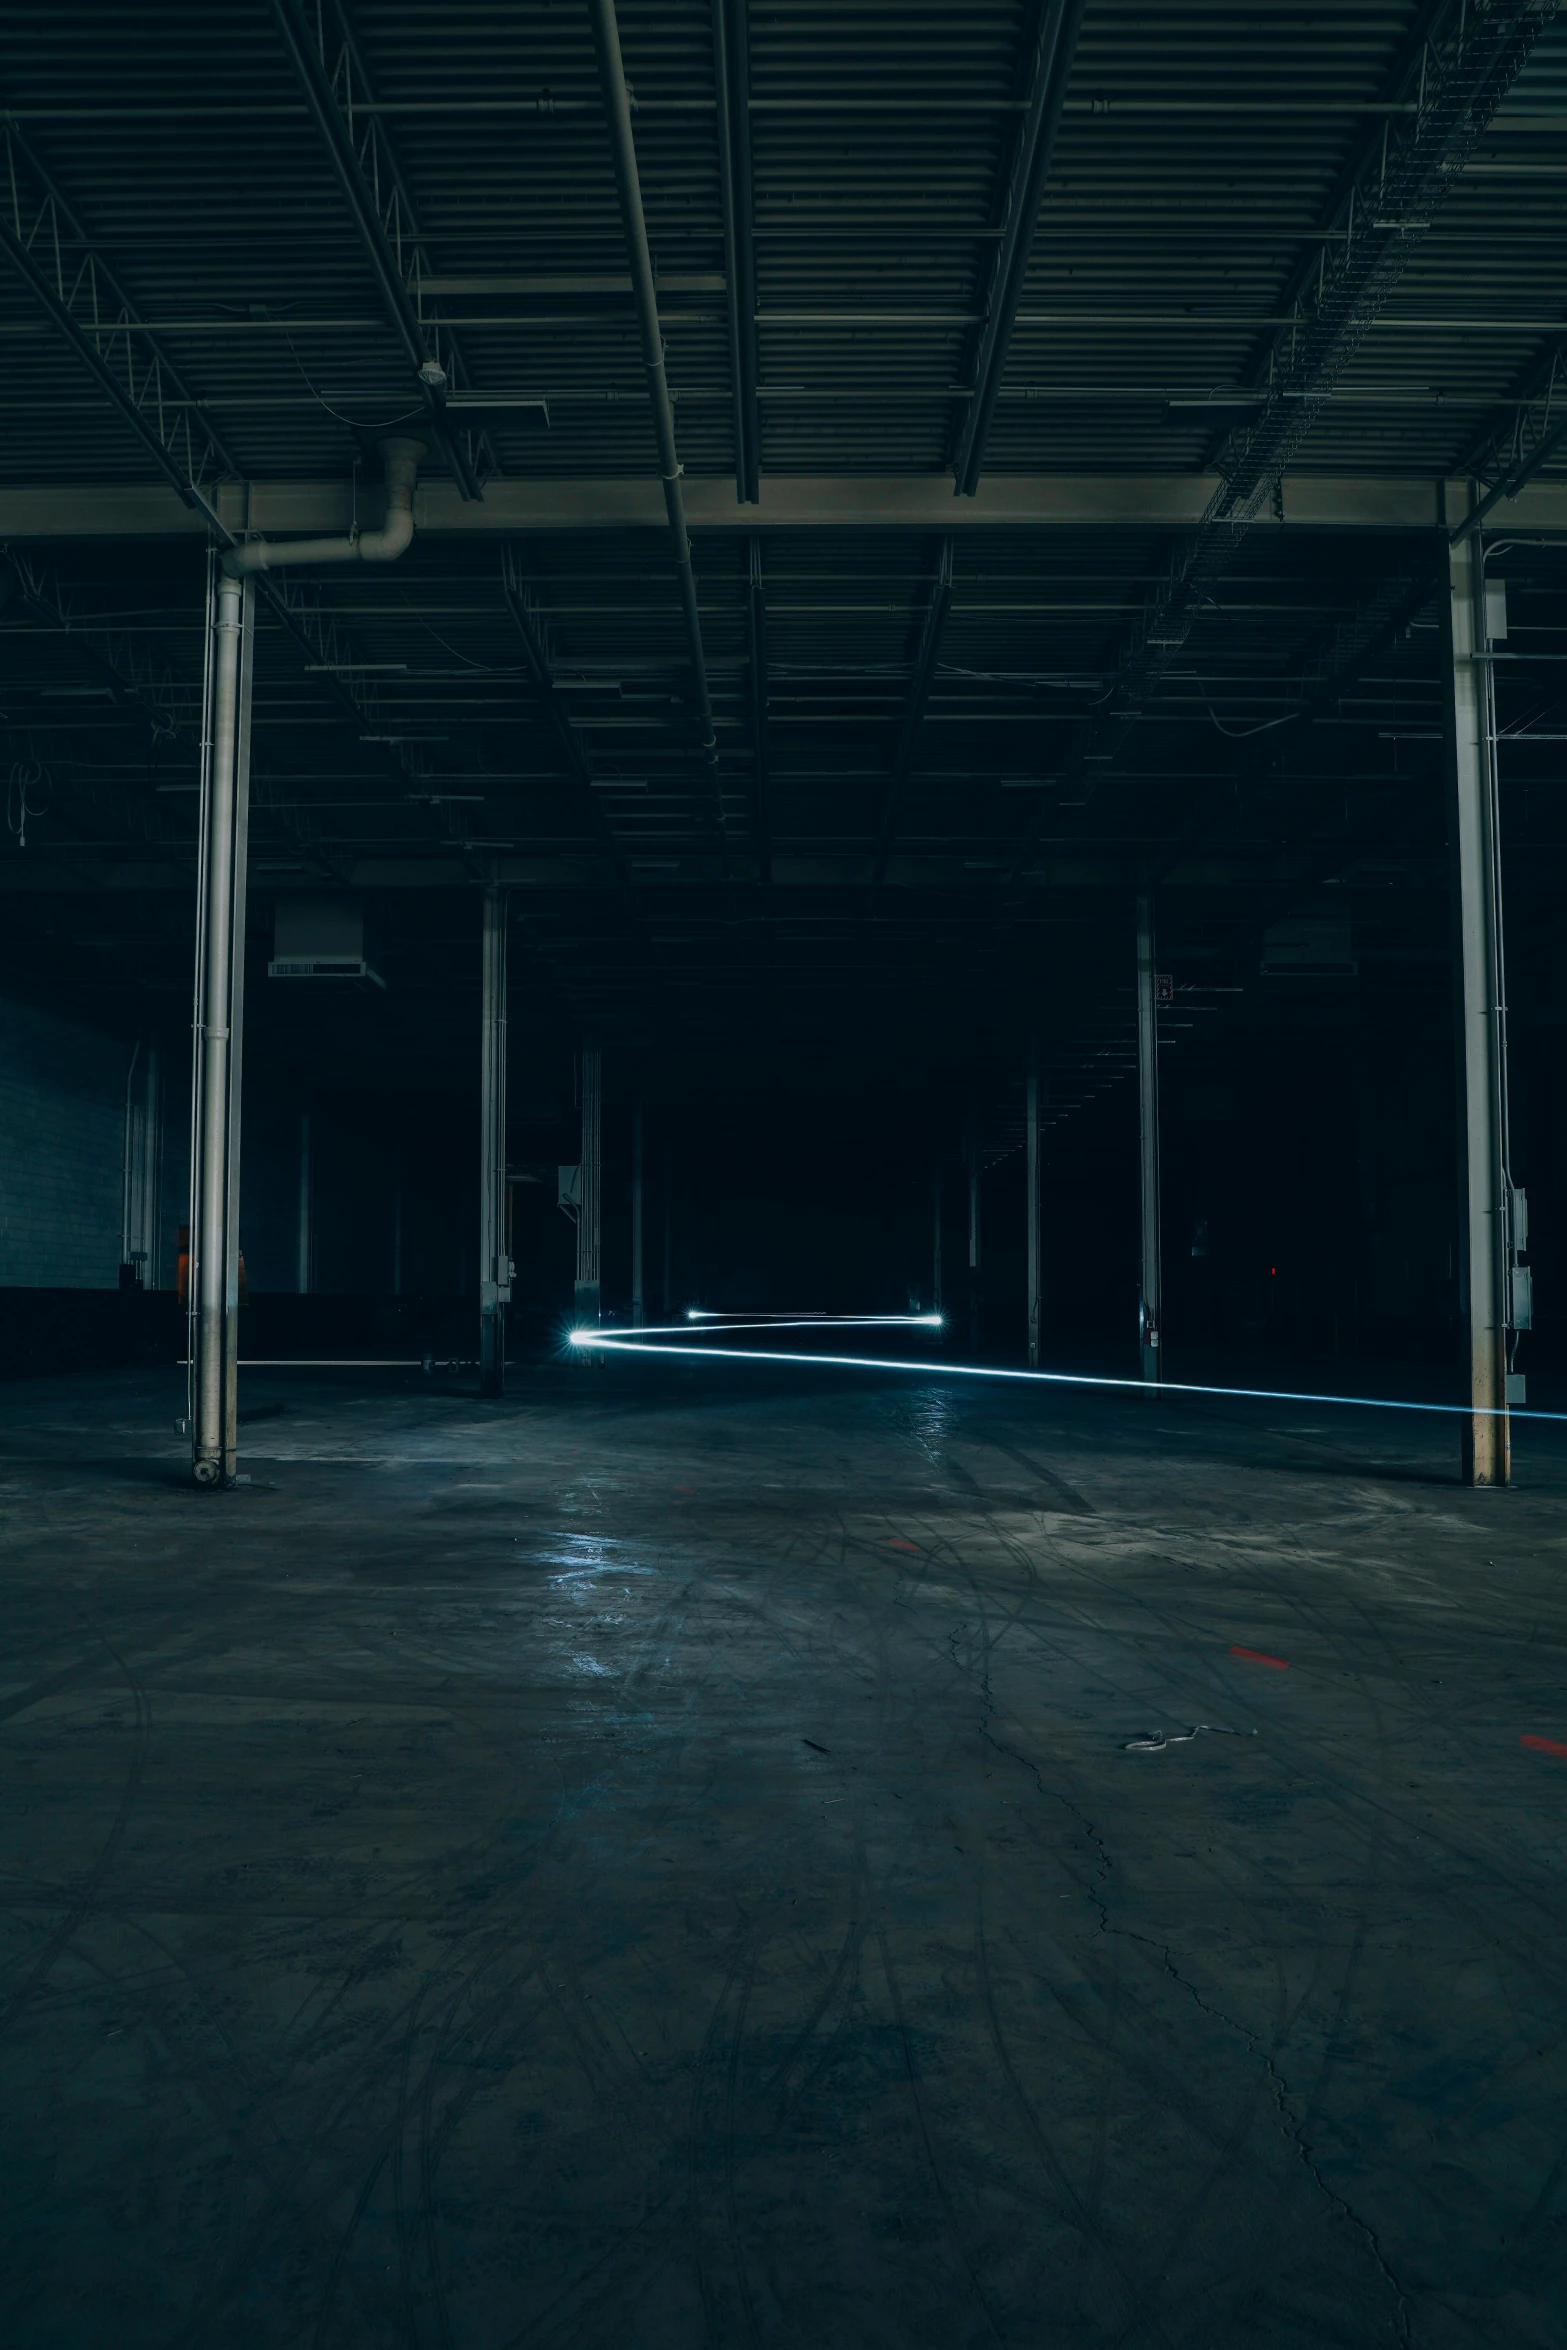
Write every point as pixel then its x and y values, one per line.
pixel 394 538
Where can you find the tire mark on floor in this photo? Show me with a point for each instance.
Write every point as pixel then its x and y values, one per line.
pixel 86 1894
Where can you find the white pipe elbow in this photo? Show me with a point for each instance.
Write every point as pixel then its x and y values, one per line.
pixel 394 538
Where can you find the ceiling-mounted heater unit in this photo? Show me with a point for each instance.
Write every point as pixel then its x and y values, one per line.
pixel 320 938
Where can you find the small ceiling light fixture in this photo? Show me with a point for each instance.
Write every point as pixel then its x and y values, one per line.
pixel 433 374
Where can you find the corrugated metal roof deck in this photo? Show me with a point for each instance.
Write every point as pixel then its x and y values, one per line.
pixel 1200 157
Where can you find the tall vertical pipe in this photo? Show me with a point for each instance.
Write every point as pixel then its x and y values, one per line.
pixel 1032 1154
pixel 495 1267
pixel 669 1224
pixel 973 1156
pixel 1480 1019
pixel 590 1209
pixel 638 1303
pixel 1150 1307
pixel 152 1170
pixel 214 1275
pixel 304 1252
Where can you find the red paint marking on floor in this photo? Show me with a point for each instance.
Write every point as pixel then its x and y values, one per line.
pixel 1254 1656
pixel 1544 1745
pixel 898 1545
pixel 685 1489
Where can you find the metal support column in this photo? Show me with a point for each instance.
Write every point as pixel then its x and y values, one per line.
pixel 213 1331
pixel 1150 1304
pixel 495 1267
pixel 589 1212
pixel 142 1169
pixel 305 1250
pixel 1480 1006
pixel 935 1236
pixel 1033 1202
pixel 399 1222
pixel 638 1302
pixel 973 1154
pixel 669 1225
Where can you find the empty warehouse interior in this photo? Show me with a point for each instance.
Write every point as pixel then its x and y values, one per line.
pixel 782 1177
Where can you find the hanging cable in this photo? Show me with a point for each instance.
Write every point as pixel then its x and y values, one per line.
pixel 28 776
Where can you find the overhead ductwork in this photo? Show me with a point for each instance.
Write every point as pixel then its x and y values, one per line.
pixel 394 538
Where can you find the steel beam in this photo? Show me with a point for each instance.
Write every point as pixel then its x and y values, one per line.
pixel 382 169
pixel 1474 851
pixel 1469 60
pixel 495 1266
pixel 1055 45
pixel 732 77
pixel 1009 503
pixel 628 185
pixel 212 1351
pixel 1150 1305
pixel 75 284
pixel 140 682
pixel 1518 442
pixel 936 612
pixel 1398 598
pixel 338 138
pixel 531 630
pixel 118 656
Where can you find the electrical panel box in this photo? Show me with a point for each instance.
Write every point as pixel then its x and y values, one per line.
pixel 1520 1223
pixel 1522 1302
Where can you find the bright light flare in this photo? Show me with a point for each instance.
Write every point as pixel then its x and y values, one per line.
pixel 645 1342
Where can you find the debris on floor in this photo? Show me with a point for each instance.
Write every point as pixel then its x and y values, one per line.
pixel 1158 1740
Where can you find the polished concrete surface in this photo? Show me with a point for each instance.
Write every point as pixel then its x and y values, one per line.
pixel 661 1861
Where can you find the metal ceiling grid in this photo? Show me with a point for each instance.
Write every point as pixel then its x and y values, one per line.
pixel 1192 180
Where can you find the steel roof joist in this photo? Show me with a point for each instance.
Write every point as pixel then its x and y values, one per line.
pixel 1056 28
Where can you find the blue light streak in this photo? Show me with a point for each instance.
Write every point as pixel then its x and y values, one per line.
pixel 644 1343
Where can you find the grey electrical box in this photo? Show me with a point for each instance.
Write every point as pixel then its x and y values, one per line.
pixel 1522 1315
pixel 320 938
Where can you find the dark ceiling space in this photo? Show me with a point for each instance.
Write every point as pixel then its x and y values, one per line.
pixel 953 734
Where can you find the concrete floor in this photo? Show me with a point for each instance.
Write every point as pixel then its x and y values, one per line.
pixel 642 1865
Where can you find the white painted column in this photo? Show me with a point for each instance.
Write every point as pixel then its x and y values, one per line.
pixel 1032 1155
pixel 1475 866
pixel 219 1031
pixel 1150 1307
pixel 590 1211
pixel 495 1268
